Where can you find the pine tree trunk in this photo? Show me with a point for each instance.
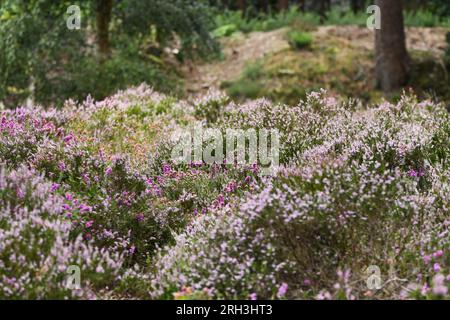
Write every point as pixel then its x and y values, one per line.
pixel 241 5
pixel 103 15
pixel 357 5
pixel 392 60
pixel 283 5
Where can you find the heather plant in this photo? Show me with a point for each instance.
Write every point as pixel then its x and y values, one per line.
pixel 93 184
pixel 37 247
pixel 363 192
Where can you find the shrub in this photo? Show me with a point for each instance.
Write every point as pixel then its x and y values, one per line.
pixel 300 40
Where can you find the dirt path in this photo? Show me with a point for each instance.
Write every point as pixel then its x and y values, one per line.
pixel 240 50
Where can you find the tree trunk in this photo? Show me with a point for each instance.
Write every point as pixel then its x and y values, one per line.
pixel 283 5
pixel 357 5
pixel 392 60
pixel 241 5
pixel 103 15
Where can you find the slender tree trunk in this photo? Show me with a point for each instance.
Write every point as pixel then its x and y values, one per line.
pixel 241 5
pixel 283 5
pixel 357 5
pixel 103 15
pixel 392 60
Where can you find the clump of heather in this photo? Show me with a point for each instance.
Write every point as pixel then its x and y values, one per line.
pixel 37 247
pixel 94 185
pixel 371 188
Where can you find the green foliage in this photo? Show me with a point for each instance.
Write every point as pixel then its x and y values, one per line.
pixel 224 31
pixel 260 22
pixel 41 58
pixel 90 75
pixel 186 20
pixel 336 16
pixel 300 40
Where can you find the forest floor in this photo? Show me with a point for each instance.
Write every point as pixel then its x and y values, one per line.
pixel 338 52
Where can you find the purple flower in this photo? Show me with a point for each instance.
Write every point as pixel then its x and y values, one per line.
pixel 54 187
pixel 438 254
pixel 85 208
pixel 412 173
pixel 253 296
pixel 230 187
pixel 89 224
pixel 62 166
pixel 282 290
pixel 68 138
pixel 20 194
pixel 436 267
pixel 167 169
pixel 108 171
pixel 140 217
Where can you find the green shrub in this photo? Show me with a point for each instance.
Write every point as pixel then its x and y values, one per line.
pixel 224 31
pixel 300 40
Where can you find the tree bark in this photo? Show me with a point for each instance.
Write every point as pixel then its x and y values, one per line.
pixel 283 5
pixel 392 60
pixel 241 5
pixel 103 15
pixel 357 5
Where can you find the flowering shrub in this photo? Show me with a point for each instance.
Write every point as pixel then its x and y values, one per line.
pixel 93 185
pixel 37 246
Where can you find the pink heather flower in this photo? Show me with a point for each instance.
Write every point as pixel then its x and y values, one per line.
pixel 436 267
pixel 88 236
pixel 85 177
pixel 68 138
pixel 85 208
pixel 61 166
pixel 66 207
pixel 424 289
pixel 230 187
pixel 108 171
pixel 438 254
pixel 140 217
pixel 54 187
pixel 426 258
pixel 132 250
pixel 253 296
pixel 412 173
pixel 68 197
pixel 448 277
pixel 20 194
pixel 247 179
pixel 167 169
pixel 282 290
pixel 89 223
pixel 439 288
pixel 160 179
pixel 69 215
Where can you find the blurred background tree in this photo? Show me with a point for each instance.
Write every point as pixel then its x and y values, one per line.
pixel 41 59
pixel 126 42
